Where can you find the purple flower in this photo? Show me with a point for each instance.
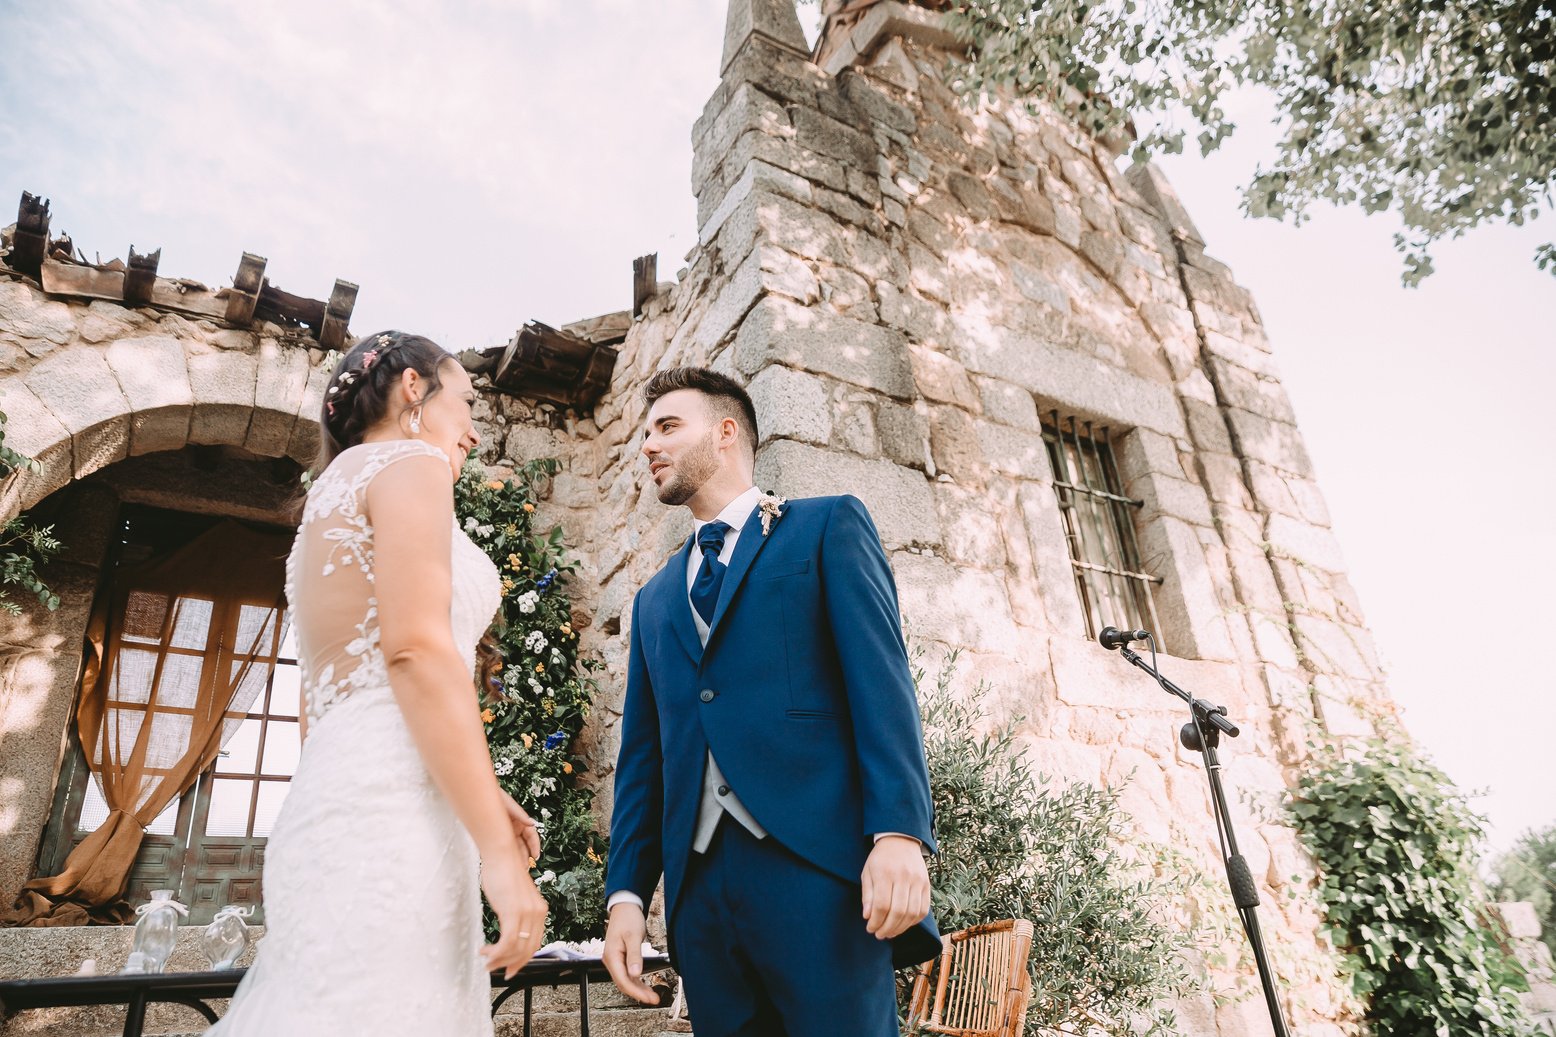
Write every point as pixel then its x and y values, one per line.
pixel 557 740
pixel 544 583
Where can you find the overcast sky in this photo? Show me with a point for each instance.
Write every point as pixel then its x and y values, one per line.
pixel 476 164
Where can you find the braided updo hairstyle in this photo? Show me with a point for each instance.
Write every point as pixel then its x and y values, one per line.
pixel 358 395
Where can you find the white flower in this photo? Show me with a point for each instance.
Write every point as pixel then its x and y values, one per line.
pixel 557 659
pixel 534 685
pixel 771 506
pixel 535 642
pixel 484 531
pixel 528 601
pixel 503 767
pixel 470 525
pixel 547 876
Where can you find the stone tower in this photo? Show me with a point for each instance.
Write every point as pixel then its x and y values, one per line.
pixel 940 306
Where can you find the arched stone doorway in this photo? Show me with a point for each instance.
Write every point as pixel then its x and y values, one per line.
pixel 191 425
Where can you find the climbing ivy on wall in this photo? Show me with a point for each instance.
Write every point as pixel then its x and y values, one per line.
pixel 541 698
pixel 1395 844
pixel 23 544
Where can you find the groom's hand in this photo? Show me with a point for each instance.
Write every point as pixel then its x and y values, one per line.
pixel 624 935
pixel 896 886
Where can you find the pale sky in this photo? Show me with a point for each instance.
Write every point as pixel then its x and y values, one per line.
pixel 476 164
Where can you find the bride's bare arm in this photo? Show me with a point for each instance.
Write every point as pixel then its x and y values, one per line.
pixel 410 507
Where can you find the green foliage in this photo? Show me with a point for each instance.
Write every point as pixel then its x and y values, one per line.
pixel 1395 844
pixel 1528 872
pixel 544 693
pixel 23 546
pixel 1105 958
pixel 1438 112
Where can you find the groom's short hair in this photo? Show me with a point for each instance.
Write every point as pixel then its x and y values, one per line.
pixel 725 396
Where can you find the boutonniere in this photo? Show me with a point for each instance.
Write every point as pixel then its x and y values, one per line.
pixel 771 507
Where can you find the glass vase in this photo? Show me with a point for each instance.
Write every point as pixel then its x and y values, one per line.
pixel 227 937
pixel 157 931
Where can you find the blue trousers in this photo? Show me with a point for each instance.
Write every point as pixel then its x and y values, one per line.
pixel 769 945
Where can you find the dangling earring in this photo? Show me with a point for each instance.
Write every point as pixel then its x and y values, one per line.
pixel 416 422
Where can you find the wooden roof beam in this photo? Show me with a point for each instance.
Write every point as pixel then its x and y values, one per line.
pixel 140 277
pixel 31 240
pixel 243 296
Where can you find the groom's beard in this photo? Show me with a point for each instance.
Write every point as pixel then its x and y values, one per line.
pixel 689 472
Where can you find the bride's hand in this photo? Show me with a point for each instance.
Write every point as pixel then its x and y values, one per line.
pixel 520 910
pixel 524 827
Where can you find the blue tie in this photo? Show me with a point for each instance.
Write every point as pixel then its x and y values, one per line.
pixel 705 589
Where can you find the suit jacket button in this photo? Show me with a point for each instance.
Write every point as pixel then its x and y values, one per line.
pixel 707 694
pixel 723 790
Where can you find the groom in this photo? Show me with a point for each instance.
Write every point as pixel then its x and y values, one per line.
pixel 772 766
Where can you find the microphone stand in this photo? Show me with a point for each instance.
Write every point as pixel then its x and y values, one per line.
pixel 1202 734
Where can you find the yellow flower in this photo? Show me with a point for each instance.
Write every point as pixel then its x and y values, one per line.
pixel 515 561
pixel 487 716
pixel 592 855
pixel 567 629
pixel 494 484
pixel 529 740
pixel 528 506
pixel 511 530
pixel 567 768
pixel 548 707
pixel 507 585
pixel 540 667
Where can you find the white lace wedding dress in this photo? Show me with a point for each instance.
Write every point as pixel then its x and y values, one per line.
pixel 371 884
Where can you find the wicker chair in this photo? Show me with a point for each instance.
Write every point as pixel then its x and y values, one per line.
pixel 980 983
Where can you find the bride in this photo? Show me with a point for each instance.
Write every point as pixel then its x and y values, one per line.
pixel 372 902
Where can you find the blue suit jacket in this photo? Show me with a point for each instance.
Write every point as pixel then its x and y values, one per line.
pixel 804 694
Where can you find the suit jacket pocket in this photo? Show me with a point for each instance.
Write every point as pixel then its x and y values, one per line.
pixel 809 714
pixel 794 567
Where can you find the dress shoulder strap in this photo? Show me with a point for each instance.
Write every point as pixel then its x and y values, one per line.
pixel 387 453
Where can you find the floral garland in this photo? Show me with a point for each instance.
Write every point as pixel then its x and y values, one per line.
pixel 541 697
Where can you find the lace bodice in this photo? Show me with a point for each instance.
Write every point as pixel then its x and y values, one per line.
pixel 329 580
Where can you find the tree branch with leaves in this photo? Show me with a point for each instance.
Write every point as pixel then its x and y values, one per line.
pixel 1438 112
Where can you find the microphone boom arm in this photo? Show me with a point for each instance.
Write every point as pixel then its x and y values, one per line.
pixel 1204 712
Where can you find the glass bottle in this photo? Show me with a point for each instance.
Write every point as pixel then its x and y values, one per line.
pixel 156 932
pixel 227 937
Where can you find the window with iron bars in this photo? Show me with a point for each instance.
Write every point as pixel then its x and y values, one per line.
pixel 1099 527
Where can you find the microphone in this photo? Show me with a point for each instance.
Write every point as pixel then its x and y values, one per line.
pixel 1113 638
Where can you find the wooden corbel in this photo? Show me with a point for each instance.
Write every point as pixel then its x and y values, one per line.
pixel 337 315
pixel 31 239
pixel 243 296
pixel 140 277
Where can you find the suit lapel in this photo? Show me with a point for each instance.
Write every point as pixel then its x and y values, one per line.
pixel 750 544
pixel 679 607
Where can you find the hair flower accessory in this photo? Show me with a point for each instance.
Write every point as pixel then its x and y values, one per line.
pixel 771 507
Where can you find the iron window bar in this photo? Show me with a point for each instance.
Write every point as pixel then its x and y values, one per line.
pixel 1098 518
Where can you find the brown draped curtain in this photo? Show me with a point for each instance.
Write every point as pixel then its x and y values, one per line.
pixel 177 644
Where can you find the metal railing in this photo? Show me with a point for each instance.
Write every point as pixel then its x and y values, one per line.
pixel 1099 527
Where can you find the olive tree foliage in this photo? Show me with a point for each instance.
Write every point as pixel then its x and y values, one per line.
pixel 1528 872
pixel 1437 110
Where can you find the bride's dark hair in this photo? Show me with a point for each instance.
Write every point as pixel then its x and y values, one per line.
pixel 357 397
